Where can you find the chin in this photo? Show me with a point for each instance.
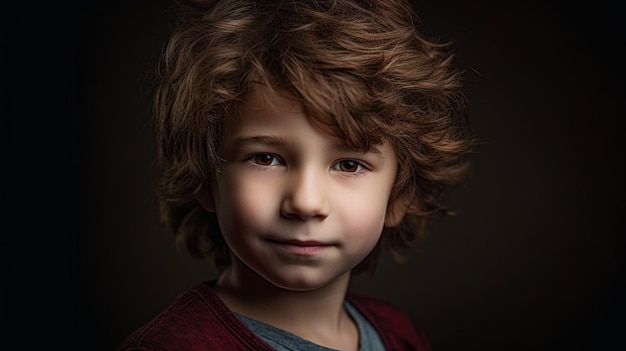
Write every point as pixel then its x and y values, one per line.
pixel 301 282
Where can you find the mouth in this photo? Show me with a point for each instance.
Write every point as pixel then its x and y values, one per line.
pixel 301 247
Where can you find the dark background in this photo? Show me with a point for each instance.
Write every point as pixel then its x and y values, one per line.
pixel 533 261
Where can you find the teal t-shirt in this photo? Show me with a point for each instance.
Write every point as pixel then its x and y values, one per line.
pixel 281 340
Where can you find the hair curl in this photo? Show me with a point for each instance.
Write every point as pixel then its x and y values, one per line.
pixel 364 69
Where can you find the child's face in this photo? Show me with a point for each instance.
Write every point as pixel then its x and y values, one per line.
pixel 293 203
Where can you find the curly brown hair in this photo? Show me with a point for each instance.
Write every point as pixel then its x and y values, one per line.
pixel 364 69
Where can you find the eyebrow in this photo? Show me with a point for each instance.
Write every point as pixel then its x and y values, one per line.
pixel 272 140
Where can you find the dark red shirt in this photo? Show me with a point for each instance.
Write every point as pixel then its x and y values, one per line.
pixel 198 320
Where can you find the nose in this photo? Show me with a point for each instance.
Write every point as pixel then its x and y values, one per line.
pixel 305 196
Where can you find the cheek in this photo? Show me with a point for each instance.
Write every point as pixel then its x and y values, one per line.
pixel 242 205
pixel 369 221
pixel 365 216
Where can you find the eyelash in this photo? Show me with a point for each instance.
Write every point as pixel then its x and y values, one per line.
pixel 360 167
pixel 276 161
pixel 253 159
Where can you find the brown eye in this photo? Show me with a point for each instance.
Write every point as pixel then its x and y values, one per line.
pixel 264 159
pixel 348 166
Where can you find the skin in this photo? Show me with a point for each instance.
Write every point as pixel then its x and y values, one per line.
pixel 298 210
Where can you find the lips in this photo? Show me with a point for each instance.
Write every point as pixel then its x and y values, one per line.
pixel 301 247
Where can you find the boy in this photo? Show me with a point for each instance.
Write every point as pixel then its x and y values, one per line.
pixel 299 140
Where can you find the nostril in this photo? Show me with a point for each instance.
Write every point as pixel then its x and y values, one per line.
pixel 305 208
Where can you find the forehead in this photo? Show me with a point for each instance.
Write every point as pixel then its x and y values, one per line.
pixel 262 109
pixel 271 100
pixel 267 112
pixel 264 105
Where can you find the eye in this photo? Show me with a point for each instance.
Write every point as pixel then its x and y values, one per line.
pixel 349 166
pixel 264 159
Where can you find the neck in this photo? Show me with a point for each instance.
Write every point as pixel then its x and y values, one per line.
pixel 317 314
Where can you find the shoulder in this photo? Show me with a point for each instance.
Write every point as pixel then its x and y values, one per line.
pixel 197 319
pixel 392 323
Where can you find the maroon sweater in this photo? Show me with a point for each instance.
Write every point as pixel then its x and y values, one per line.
pixel 198 320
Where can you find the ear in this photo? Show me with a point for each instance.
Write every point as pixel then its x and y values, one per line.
pixel 396 209
pixel 206 200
